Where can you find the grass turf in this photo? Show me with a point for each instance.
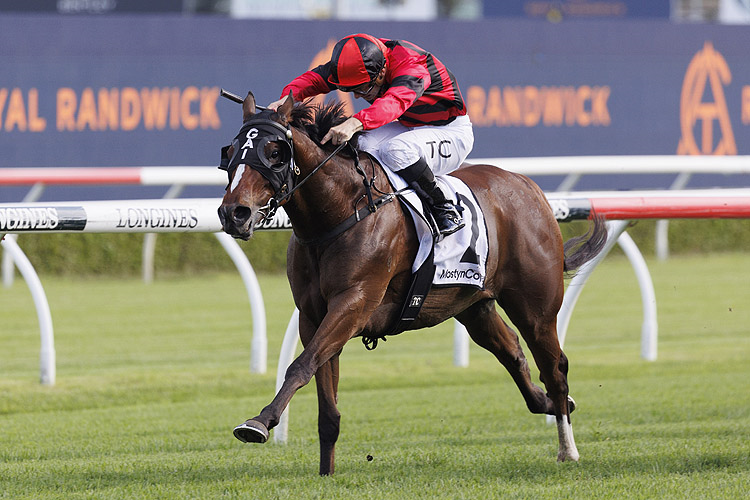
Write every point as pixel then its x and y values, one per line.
pixel 152 378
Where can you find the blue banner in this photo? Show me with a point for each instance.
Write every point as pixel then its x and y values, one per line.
pixel 91 6
pixel 144 90
pixel 558 10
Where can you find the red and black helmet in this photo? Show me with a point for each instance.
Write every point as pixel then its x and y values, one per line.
pixel 356 59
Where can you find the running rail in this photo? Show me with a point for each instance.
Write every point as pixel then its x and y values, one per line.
pixel 199 215
pixel 572 168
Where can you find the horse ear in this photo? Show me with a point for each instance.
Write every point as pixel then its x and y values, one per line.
pixel 248 107
pixel 285 109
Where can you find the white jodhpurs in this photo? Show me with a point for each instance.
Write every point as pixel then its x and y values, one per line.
pixel 444 147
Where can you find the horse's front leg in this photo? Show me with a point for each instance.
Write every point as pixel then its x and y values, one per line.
pixel 347 316
pixel 329 418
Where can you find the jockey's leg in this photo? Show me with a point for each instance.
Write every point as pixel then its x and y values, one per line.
pixel 447 216
pixel 417 154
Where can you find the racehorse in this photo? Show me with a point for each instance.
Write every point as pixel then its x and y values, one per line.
pixel 350 273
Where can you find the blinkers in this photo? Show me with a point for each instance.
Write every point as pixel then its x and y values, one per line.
pixel 249 149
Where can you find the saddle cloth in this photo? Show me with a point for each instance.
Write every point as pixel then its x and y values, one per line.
pixel 460 258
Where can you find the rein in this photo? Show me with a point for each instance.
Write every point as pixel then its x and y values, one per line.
pixel 269 209
pixel 320 165
pixel 359 214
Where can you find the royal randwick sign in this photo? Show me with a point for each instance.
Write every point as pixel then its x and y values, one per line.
pixel 85 92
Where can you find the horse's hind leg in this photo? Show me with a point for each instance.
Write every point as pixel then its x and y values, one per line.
pixel 488 330
pixel 538 326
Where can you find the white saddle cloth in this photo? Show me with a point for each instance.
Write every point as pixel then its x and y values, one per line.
pixel 460 258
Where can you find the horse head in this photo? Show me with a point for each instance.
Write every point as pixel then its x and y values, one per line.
pixel 260 166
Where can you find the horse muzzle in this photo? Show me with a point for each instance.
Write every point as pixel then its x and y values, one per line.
pixel 237 220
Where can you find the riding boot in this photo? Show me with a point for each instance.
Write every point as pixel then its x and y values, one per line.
pixel 446 214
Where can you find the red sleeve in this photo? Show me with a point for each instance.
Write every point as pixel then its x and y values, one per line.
pixel 407 80
pixel 309 84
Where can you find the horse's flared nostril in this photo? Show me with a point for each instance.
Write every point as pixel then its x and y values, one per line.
pixel 240 215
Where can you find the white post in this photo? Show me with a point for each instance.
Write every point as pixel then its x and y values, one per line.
pixel 8 269
pixel 575 287
pixel 149 239
pixel 286 356
pixel 569 182
pixel 147 257
pixel 33 195
pixel 661 241
pixel 650 326
pixel 662 226
pixel 460 345
pixel 47 368
pixel 259 343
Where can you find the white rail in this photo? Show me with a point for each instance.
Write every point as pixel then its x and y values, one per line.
pixel 47 364
pixel 199 215
pixel 129 216
pixel 635 164
pixel 571 167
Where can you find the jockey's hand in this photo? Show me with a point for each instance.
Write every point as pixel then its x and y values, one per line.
pixel 275 104
pixel 343 132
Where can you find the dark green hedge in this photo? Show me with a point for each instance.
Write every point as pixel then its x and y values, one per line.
pixel 120 254
pixel 688 236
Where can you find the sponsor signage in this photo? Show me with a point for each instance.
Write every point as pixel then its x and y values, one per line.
pixel 91 6
pixel 85 92
pixel 558 10
pixel 41 218
pixel 123 216
pixel 280 220
pixel 157 218
pixel 110 109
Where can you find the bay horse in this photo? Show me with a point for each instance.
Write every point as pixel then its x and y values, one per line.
pixel 351 278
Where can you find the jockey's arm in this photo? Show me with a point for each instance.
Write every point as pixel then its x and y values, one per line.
pixel 308 84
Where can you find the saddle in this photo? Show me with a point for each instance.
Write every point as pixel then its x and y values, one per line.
pixel 456 260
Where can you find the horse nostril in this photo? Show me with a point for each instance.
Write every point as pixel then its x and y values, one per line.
pixel 240 215
pixel 222 214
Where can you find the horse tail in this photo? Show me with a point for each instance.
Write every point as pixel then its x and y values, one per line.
pixel 585 247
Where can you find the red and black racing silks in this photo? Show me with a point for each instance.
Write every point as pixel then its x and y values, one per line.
pixel 418 89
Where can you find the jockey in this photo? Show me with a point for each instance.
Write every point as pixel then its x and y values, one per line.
pixel 416 122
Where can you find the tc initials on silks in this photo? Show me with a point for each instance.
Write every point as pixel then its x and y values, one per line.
pixel 444 152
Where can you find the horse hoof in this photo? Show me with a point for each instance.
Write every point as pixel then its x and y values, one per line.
pixel 251 431
pixel 571 457
pixel 551 406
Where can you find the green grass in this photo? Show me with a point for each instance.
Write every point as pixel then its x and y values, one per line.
pixel 152 378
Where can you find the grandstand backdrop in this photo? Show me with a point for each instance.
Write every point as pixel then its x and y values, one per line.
pixel 143 89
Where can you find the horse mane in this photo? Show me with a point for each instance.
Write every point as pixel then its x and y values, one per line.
pixel 316 120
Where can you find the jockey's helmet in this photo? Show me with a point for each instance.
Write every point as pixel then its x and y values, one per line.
pixel 356 60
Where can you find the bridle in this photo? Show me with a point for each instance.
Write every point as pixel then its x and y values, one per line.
pixel 284 178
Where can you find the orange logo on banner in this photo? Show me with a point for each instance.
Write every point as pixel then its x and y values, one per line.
pixel 323 57
pixel 707 67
